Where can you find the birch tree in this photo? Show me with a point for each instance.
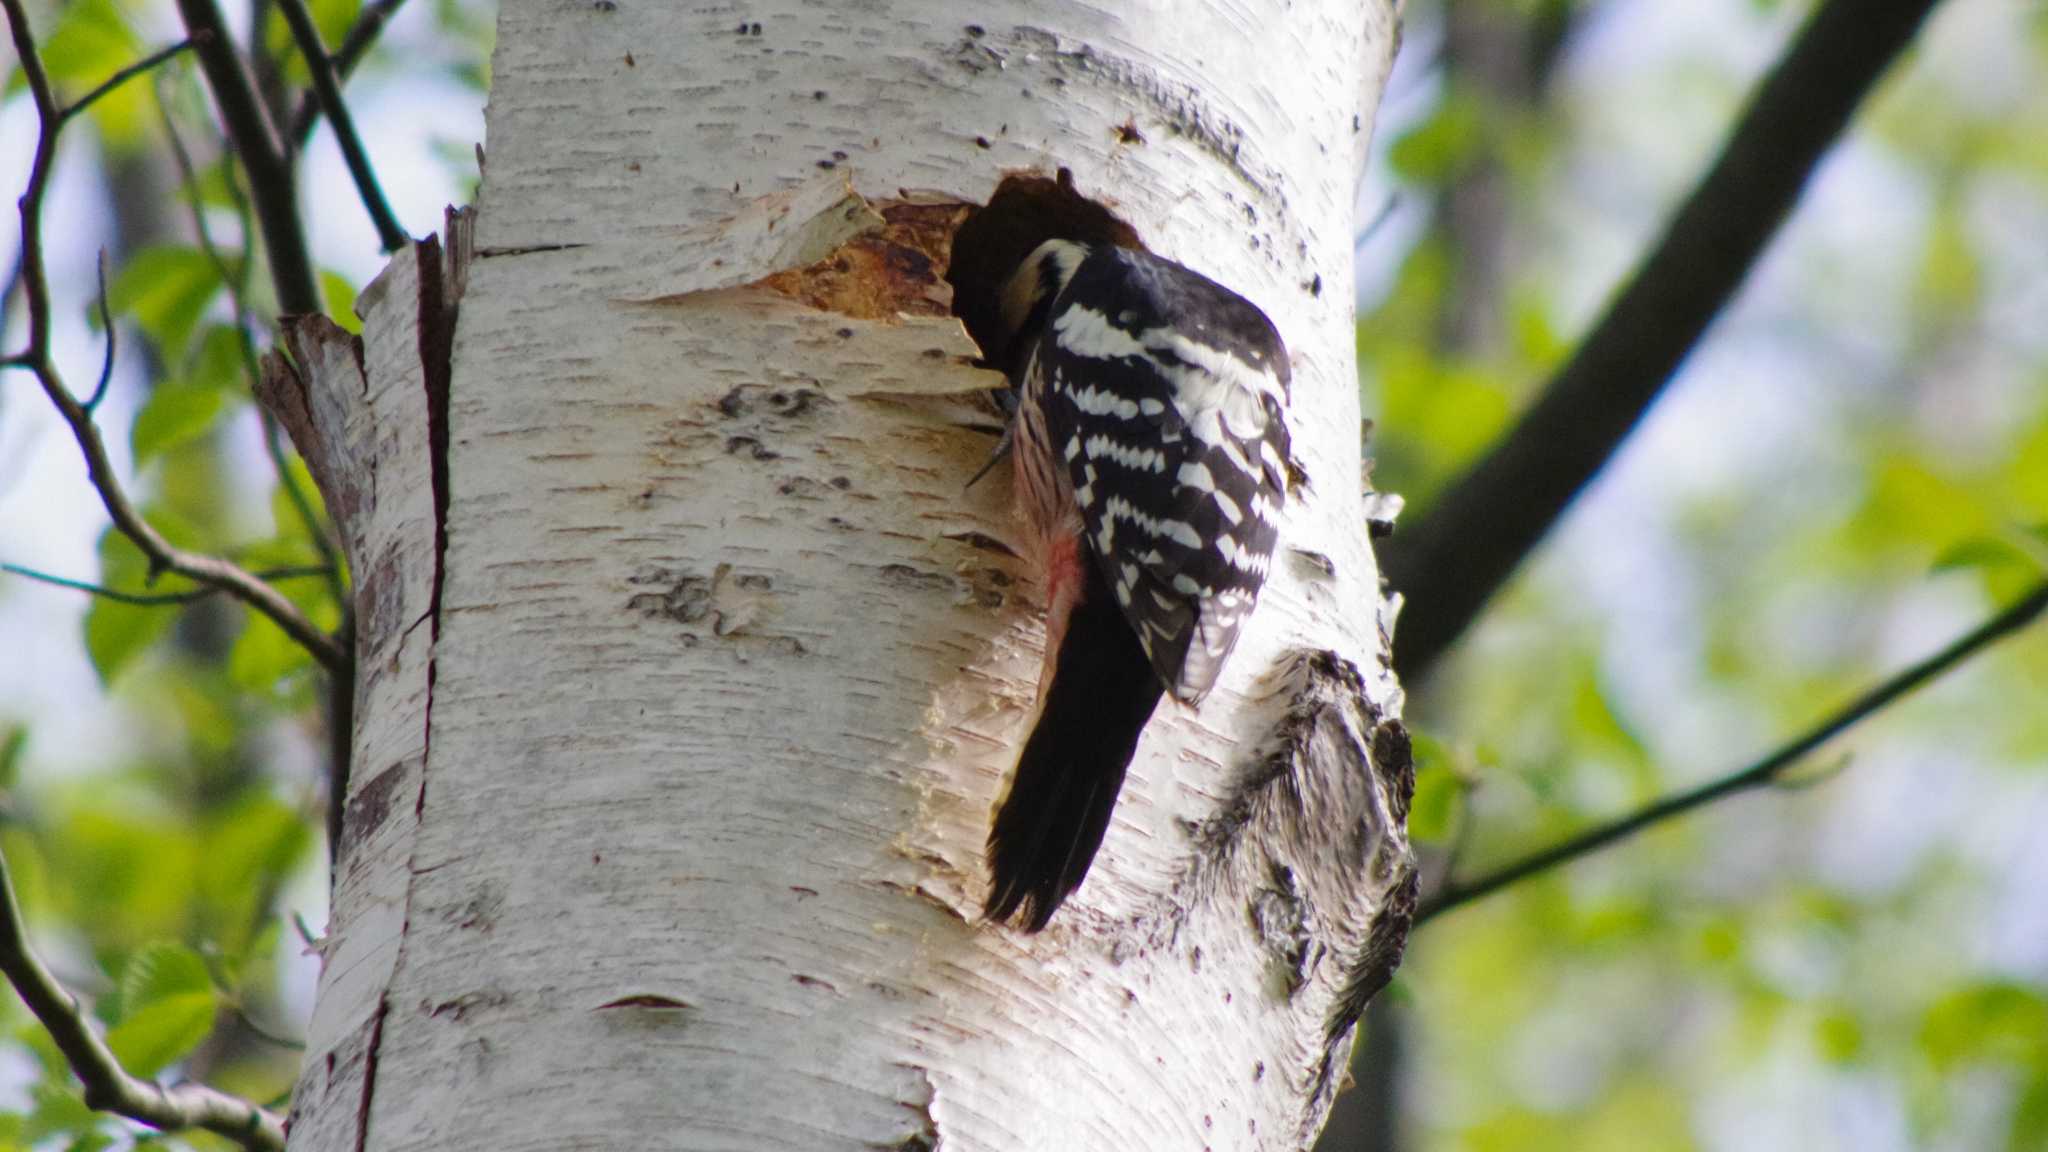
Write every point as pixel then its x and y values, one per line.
pixel 689 670
pixel 793 329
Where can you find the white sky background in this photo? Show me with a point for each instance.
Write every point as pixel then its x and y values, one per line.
pixel 1737 408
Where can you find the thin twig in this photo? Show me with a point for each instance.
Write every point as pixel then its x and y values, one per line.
pixel 108 1086
pixel 1451 561
pixel 7 288
pixel 156 599
pixel 307 35
pixel 1763 773
pixel 148 62
pixel 161 554
pixel 272 181
pixel 237 280
pixel 356 45
pixel 99 390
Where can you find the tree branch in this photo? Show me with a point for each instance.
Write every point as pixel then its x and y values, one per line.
pixel 1450 563
pixel 307 35
pixel 108 1087
pixel 99 390
pixel 155 599
pixel 1767 771
pixel 36 358
pixel 126 74
pixel 356 45
pixel 273 183
pixel 237 280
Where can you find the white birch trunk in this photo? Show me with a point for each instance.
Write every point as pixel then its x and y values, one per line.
pixel 669 803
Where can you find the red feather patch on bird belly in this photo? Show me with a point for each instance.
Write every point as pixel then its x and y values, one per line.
pixel 1064 580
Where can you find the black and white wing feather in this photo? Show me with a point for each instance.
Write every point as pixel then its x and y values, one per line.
pixel 1163 393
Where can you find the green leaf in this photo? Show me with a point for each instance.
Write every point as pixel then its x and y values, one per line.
pixel 2029 472
pixel 340 297
pixel 162 970
pixel 168 1003
pixel 1993 1021
pixel 334 18
pixel 116 633
pixel 153 1037
pixel 121 877
pixel 246 850
pixel 91 41
pixel 1951 276
pixel 1441 146
pixel 12 745
pixel 1838 1035
pixel 1433 813
pixel 57 1111
pixel 1981 552
pixel 284 513
pixel 90 1142
pixel 331 17
pixel 176 413
pixel 263 658
pixel 182 410
pixel 166 289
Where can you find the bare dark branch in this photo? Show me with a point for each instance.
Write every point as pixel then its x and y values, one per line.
pixel 1450 563
pixel 307 35
pixel 1766 772
pixel 108 1087
pixel 273 183
pixel 368 26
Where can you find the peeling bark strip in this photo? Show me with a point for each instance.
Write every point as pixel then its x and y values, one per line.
pixel 729 669
pixel 361 411
pixel 1314 849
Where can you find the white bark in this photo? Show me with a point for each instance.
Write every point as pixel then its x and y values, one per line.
pixel 675 837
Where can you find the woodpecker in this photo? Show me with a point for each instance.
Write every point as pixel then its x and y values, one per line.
pixel 1151 451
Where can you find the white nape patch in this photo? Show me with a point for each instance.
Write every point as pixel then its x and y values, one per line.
pixel 1195 474
pixel 1178 531
pixel 1027 285
pixel 1100 402
pixel 1143 459
pixel 1228 507
pixel 1086 332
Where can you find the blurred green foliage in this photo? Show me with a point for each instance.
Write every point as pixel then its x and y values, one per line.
pixel 158 883
pixel 1849 472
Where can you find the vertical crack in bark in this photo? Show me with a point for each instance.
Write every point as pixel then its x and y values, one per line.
pixel 370 1052
pixel 369 444
pixel 437 284
pixel 437 306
